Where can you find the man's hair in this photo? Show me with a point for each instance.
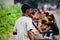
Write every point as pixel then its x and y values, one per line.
pixel 44 22
pixel 25 7
pixel 52 16
pixel 38 10
pixel 47 13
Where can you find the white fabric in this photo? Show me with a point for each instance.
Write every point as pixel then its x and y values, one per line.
pixel 23 25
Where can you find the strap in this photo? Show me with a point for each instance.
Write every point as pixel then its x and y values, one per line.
pixel 36 27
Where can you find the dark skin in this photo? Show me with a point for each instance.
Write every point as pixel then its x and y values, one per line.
pixel 30 34
pixel 14 33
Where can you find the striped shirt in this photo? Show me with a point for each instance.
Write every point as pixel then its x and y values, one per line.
pixel 23 24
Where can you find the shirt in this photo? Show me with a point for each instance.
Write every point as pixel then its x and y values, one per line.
pixel 54 28
pixel 45 18
pixel 23 24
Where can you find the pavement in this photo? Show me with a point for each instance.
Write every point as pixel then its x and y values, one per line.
pixel 57 17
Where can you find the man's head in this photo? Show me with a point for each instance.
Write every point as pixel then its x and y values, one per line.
pixel 26 9
pixel 37 14
pixel 46 14
pixel 44 22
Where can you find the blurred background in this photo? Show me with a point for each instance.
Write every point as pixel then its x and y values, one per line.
pixel 10 11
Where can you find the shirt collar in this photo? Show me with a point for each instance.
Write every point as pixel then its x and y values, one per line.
pixel 25 15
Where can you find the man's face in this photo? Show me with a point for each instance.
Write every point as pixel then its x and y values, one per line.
pixel 30 11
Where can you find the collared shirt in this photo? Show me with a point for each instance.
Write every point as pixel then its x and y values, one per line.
pixel 23 24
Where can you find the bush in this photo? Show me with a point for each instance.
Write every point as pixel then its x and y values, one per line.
pixel 8 17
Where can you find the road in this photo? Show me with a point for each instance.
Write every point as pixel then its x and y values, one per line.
pixel 57 17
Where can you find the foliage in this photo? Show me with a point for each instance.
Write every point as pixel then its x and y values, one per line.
pixel 8 17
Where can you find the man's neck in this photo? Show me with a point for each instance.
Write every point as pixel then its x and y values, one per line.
pixel 25 15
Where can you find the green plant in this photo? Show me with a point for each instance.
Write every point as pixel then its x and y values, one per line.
pixel 8 17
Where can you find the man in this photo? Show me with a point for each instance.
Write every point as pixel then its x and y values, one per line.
pixel 53 26
pixel 23 25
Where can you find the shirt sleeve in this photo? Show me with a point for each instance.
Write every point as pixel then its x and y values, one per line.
pixel 29 25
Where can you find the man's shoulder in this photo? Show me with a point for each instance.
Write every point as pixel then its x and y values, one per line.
pixel 24 18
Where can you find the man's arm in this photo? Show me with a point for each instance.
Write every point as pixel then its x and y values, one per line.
pixel 30 34
pixel 47 29
pixel 29 29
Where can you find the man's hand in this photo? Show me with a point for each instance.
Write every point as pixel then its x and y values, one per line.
pixel 14 33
